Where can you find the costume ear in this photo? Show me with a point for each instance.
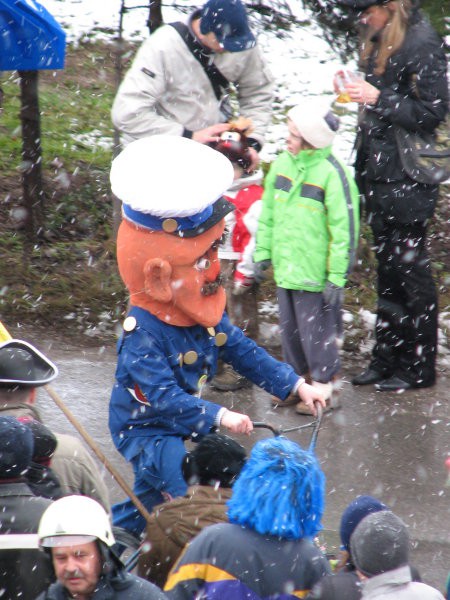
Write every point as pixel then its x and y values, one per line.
pixel 157 274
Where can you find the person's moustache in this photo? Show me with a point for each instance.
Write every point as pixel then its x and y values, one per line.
pixel 211 287
pixel 71 574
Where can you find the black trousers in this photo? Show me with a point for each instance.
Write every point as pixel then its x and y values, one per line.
pixel 407 313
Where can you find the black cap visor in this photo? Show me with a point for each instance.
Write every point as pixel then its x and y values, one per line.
pixel 221 208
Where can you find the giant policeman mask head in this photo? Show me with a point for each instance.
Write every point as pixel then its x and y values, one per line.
pixel 173 209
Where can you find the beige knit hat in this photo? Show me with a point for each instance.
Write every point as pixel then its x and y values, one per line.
pixel 315 121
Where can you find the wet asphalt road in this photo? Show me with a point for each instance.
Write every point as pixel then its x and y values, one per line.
pixel 392 446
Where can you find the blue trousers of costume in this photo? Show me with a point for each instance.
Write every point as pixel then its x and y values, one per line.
pixel 156 463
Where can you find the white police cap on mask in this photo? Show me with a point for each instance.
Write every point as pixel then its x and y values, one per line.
pixel 172 184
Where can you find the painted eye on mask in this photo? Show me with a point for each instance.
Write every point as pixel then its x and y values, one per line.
pixel 202 264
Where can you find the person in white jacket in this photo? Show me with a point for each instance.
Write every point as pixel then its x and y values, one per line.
pixel 167 90
pixel 380 551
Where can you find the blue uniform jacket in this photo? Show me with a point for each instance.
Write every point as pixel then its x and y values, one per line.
pixel 161 367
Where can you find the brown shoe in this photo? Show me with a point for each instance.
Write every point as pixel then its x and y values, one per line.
pixel 229 381
pixel 291 400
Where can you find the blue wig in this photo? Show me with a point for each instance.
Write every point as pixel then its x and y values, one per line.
pixel 280 491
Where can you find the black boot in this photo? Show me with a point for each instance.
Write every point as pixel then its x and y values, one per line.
pixel 368 377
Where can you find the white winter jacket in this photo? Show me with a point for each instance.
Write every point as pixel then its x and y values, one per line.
pixel 397 585
pixel 167 91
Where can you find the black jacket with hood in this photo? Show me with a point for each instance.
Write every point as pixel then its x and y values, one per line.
pixel 24 572
pixel 414 95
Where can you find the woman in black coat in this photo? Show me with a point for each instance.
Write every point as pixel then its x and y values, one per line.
pixel 406 84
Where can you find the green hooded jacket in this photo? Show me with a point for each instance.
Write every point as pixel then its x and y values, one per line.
pixel 309 225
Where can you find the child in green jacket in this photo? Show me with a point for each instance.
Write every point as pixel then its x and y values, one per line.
pixel 308 230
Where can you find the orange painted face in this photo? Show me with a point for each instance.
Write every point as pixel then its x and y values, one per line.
pixel 176 279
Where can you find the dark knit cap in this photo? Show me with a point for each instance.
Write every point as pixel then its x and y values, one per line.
pixel 16 448
pixel 355 512
pixel 380 543
pixel 44 440
pixel 227 19
pixel 216 457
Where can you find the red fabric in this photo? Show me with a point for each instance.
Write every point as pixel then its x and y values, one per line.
pixel 242 201
pixel 242 279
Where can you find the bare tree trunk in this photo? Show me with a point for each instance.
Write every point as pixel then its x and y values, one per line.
pixel 155 18
pixel 33 192
pixel 117 205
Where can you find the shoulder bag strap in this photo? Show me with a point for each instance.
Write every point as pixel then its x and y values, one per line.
pixel 218 81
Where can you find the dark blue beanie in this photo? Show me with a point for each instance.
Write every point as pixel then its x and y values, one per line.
pixel 16 448
pixel 354 514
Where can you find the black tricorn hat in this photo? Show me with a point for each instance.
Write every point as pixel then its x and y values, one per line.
pixel 216 458
pixel 21 364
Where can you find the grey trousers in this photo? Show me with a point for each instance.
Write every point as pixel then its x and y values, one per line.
pixel 308 334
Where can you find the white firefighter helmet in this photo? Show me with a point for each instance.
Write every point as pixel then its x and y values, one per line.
pixel 74 520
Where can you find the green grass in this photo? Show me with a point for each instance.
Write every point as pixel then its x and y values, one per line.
pixel 71 270
pixel 436 11
pixel 71 102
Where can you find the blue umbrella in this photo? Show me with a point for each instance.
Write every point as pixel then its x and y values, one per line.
pixel 30 38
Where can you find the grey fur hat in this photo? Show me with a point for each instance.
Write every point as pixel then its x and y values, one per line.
pixel 380 543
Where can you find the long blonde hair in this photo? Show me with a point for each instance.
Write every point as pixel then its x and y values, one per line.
pixel 391 37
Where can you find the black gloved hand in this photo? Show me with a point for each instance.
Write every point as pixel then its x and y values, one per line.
pixel 333 295
pixel 260 268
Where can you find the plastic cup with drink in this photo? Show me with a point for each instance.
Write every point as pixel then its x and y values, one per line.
pixel 341 79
